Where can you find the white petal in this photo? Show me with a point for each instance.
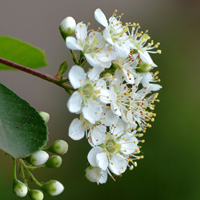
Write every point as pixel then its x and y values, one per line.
pixel 146 78
pixel 98 134
pixel 92 60
pixel 100 17
pixel 107 36
pixel 129 77
pixel 104 176
pixel 122 50
pixel 115 109
pixel 92 155
pixel 108 117
pixel 81 31
pixel 119 128
pixel 72 43
pixel 102 160
pixel 118 164
pixel 94 73
pixel 77 76
pixel 128 143
pixel 146 58
pixel 76 129
pixel 155 87
pixel 74 102
pixel 92 111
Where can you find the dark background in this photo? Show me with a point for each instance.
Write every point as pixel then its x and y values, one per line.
pixel 171 168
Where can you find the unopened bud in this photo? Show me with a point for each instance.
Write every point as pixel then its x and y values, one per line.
pixel 53 187
pixel 38 158
pixel 54 162
pixel 45 116
pixel 93 174
pixel 67 27
pixel 59 147
pixel 36 195
pixel 20 189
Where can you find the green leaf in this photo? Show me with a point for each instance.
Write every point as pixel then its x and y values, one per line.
pixel 20 52
pixel 22 129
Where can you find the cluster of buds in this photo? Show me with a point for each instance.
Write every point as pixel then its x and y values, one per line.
pixel 115 97
pixel 38 160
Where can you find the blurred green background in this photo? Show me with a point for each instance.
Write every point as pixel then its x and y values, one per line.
pixel 171 167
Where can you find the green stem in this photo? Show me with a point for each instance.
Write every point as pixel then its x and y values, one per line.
pixel 83 64
pixel 30 174
pixel 14 169
pixel 46 77
pixel 23 175
pixel 74 57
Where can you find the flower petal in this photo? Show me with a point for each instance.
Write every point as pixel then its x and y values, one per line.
pixel 98 134
pixel 102 160
pixel 146 58
pixel 72 43
pixel 155 87
pixel 92 155
pixel 94 73
pixel 74 102
pixel 81 31
pixel 128 143
pixel 92 111
pixel 104 176
pixel 76 129
pixel 118 164
pixel 77 76
pixel 100 17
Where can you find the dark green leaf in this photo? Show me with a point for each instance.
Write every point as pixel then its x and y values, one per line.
pixel 20 52
pixel 22 129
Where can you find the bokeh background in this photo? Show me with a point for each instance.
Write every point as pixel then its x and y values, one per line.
pixel 171 168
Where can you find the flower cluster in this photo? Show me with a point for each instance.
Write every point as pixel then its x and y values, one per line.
pixel 115 98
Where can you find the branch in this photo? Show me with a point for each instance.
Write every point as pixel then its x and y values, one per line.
pixel 46 77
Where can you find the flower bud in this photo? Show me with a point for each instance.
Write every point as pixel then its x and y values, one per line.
pixel 93 174
pixel 45 116
pixel 36 195
pixel 143 67
pixel 54 162
pixel 67 27
pixel 38 158
pixel 53 187
pixel 59 147
pixel 20 189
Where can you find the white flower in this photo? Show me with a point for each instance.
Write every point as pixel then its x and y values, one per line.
pixel 139 106
pixel 138 42
pixel 114 33
pixel 95 133
pixel 126 67
pixel 115 151
pixel 89 96
pixel 92 46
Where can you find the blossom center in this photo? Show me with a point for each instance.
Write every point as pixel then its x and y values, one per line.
pixel 87 91
pixel 112 146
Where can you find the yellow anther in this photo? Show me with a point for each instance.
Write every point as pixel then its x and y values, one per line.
pixel 159 51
